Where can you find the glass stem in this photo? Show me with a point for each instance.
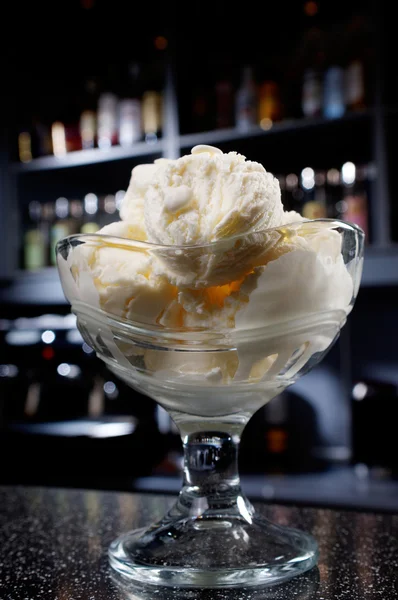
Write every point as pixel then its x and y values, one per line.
pixel 211 484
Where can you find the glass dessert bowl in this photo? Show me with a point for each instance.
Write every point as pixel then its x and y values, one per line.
pixel 212 355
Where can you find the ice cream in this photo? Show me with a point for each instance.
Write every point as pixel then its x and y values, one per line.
pixel 207 196
pixel 204 244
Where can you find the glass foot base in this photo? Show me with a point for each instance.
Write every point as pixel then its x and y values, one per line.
pixel 213 552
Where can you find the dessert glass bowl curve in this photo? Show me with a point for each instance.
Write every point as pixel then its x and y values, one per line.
pixel 212 371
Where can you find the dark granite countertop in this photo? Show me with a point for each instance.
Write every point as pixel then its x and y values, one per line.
pixel 53 546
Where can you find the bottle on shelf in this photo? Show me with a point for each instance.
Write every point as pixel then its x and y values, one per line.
pixel 41 137
pixel 246 101
pixel 108 209
pixel 152 115
pixel 130 128
pixel 25 146
pixel 65 132
pixel 358 51
pixel 334 103
pixel 313 203
pixel 312 93
pixel 354 84
pixel 269 104
pixel 90 222
pixel 224 96
pixel 107 122
pixel 35 248
pixel 61 227
pixel 87 127
pixel 130 118
pixel 320 208
pixel 76 214
pixel 334 193
pixel 58 139
pixel 88 117
pixel 310 63
pixel 73 139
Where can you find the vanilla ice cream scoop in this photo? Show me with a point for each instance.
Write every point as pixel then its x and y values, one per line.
pixel 216 226
pixel 207 196
pixel 201 197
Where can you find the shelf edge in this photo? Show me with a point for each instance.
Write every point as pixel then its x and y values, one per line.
pixel 93 156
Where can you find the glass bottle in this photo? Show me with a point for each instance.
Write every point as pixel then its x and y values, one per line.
pixel 108 209
pixel 311 65
pixel 58 139
pixel 25 146
pixel 130 118
pixel 152 115
pixel 224 103
pixel 107 129
pixel 130 129
pixel 269 104
pixel 76 215
pixel 357 67
pixel 87 127
pixel 307 181
pixel 88 117
pixel 355 85
pixel 334 194
pixel 334 94
pixel 34 239
pixel 90 217
pixel 312 91
pixel 246 101
pixel 334 104
pixel 320 204
pixel 61 227
pixel 42 137
pixel 314 200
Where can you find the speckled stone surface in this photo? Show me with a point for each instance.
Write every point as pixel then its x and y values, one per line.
pixel 53 547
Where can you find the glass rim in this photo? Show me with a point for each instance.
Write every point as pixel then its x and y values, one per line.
pixel 118 241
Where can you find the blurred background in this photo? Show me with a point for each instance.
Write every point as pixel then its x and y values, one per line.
pixel 93 88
